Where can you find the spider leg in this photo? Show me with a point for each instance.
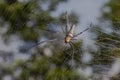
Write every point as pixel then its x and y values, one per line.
pixel 49 30
pixel 67 24
pixel 72 54
pixel 83 31
pixel 62 29
pixel 68 55
pixel 41 43
pixel 65 58
pixel 79 50
pixel 67 21
pixel 65 47
pixel 80 32
pixel 73 39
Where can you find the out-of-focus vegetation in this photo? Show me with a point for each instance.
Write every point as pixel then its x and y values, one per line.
pixel 29 21
pixel 108 41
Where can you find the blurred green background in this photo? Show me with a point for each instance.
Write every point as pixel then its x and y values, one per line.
pixel 26 23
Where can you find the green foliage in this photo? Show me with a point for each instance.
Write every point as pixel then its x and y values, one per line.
pixel 108 42
pixel 61 74
pixel 114 14
pixel 112 40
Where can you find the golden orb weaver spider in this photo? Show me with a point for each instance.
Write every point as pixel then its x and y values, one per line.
pixel 69 35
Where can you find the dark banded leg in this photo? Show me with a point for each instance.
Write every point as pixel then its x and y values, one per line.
pixel 83 31
pixel 40 43
pixel 67 21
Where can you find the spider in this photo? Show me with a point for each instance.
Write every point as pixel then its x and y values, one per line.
pixel 69 35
